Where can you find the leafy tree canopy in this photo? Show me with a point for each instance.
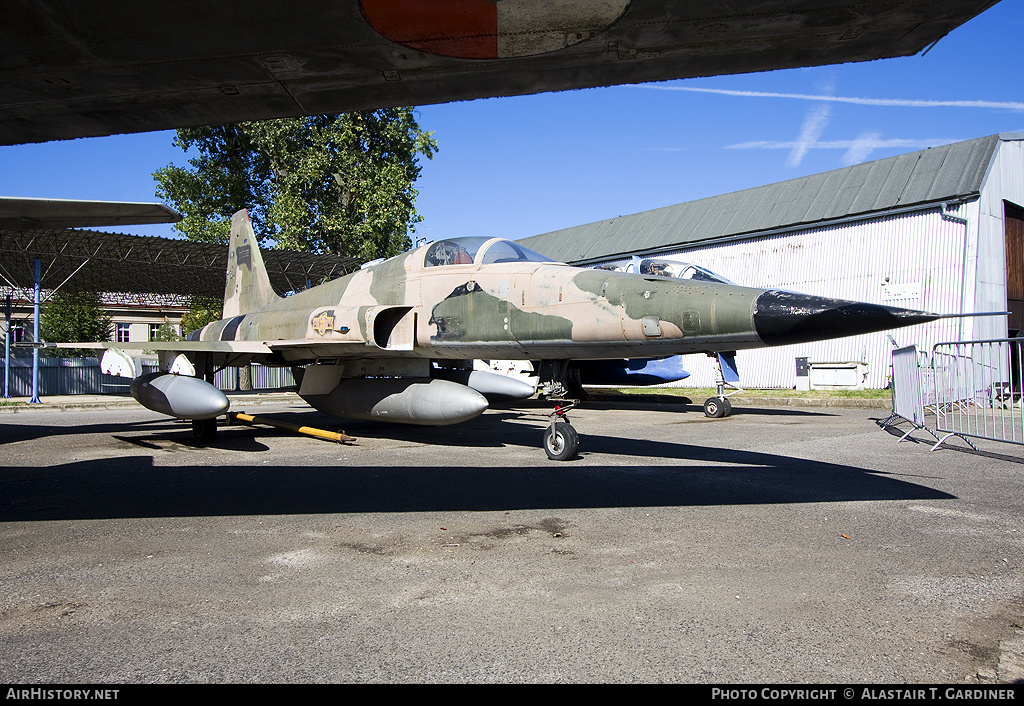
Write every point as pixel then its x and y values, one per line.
pixel 74 317
pixel 326 183
pixel 202 311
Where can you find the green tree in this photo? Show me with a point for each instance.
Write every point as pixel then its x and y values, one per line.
pixel 166 332
pixel 201 311
pixel 73 317
pixel 325 183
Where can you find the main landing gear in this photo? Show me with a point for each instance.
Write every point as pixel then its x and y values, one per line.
pixel 561 442
pixel 204 430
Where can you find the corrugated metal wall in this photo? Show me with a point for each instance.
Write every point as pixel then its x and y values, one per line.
pixel 82 376
pixel 913 260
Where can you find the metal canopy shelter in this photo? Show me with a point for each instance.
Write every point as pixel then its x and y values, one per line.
pixel 112 262
pixel 32 229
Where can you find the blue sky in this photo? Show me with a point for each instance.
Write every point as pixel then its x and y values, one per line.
pixel 516 167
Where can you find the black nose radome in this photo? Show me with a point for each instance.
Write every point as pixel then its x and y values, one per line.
pixel 788 317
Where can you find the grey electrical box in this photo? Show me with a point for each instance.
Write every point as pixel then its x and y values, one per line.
pixel 803 371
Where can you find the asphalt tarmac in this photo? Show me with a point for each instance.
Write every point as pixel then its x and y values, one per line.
pixel 779 545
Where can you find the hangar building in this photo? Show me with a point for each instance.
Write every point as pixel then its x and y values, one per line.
pixel 940 230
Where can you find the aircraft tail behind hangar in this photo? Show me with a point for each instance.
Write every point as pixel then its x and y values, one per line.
pixel 248 285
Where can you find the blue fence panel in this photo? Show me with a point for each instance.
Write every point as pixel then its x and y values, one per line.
pixel 82 376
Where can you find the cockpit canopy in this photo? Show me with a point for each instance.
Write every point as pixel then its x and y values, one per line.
pixel 679 270
pixel 479 251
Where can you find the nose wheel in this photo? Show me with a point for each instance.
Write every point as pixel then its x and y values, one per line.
pixel 719 406
pixel 716 407
pixel 561 442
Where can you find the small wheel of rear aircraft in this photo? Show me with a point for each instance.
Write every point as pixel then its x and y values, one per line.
pixel 561 442
pixel 204 430
pixel 715 407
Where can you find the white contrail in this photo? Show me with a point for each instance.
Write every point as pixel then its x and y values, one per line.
pixel 810 131
pixel 857 150
pixel 862 147
pixel 893 102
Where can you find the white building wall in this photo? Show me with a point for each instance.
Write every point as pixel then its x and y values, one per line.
pixel 913 260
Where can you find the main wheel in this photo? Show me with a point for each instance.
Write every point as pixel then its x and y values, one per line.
pixel 561 442
pixel 716 407
pixel 204 430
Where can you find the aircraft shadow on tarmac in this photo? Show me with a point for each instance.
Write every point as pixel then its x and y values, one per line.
pixel 684 405
pixel 671 403
pixel 135 486
pixel 14 432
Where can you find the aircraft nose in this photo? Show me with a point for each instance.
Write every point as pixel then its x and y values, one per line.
pixel 781 318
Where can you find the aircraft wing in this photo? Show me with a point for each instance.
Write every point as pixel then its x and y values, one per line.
pixel 177 346
pixel 238 352
pixel 83 69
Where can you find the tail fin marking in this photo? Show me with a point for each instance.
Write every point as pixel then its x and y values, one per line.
pixel 248 285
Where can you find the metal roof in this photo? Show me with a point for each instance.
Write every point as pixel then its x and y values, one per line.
pixel 113 262
pixel 947 173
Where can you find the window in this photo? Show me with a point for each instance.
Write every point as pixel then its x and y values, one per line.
pixel 154 329
pixel 681 270
pixel 463 251
pixel 506 251
pixel 124 333
pixel 458 251
pixel 19 330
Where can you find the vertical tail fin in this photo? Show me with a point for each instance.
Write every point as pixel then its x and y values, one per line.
pixel 248 286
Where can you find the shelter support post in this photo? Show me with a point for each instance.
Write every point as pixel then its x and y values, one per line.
pixel 7 347
pixel 35 334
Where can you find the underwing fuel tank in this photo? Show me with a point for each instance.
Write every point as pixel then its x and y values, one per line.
pixel 426 401
pixel 490 385
pixel 179 396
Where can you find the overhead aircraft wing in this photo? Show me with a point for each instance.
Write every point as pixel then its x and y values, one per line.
pixel 83 69
pixel 35 214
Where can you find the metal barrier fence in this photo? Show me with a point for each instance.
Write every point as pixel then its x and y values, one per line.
pixel 908 391
pixel 978 385
pixel 973 389
pixel 82 376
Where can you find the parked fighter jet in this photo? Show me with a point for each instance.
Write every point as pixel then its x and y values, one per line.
pixel 395 341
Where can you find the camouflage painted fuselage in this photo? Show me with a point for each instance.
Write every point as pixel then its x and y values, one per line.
pixel 509 310
pixel 374 344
